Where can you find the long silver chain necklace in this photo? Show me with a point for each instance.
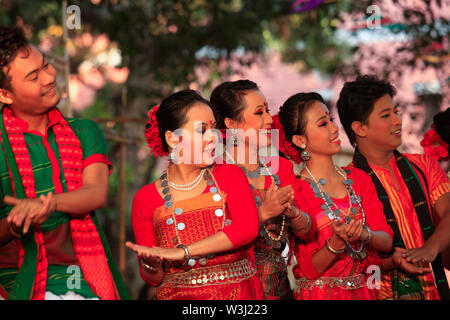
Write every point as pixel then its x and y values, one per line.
pixel 335 214
pixel 270 239
pixel 177 211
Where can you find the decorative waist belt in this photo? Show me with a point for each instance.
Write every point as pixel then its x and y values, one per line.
pixel 348 283
pixel 211 275
pixel 273 257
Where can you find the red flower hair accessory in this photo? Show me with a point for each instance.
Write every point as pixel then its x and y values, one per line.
pixel 152 134
pixel 285 146
pixel 433 145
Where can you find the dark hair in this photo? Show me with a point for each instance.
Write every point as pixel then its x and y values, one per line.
pixel 227 100
pixel 442 125
pixel 172 112
pixel 12 40
pixel 292 113
pixel 357 99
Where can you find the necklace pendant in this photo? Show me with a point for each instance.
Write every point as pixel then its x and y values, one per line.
pixel 202 262
pixel 175 240
pixel 191 262
pixel 168 204
pixel 348 182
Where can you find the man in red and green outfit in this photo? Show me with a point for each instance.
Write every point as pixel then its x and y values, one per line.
pixel 53 175
pixel 413 188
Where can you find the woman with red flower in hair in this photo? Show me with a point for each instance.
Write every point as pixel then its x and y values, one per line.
pixel 342 201
pixel 242 109
pixel 195 224
pixel 435 142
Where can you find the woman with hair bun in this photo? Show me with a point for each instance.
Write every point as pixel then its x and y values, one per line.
pixel 342 201
pixel 195 224
pixel 242 109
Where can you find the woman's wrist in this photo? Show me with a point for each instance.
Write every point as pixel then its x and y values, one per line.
pixel 333 249
pixel 336 242
pixel 262 214
pixel 293 212
pixel 302 222
pixel 184 251
pixel 366 235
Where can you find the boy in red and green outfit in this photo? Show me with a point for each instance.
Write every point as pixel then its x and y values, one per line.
pixel 53 175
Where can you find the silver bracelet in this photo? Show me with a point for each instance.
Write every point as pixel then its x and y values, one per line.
pixel 308 222
pixel 332 250
pixel 370 233
pixel 187 256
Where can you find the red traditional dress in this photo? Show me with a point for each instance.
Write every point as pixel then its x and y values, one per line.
pixel 271 265
pixel 228 275
pixel 405 214
pixel 346 279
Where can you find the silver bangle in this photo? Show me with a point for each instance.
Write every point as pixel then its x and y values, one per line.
pixel 332 250
pixel 370 233
pixel 187 256
pixel 307 226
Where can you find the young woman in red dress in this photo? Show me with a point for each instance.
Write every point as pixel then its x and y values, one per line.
pixel 241 108
pixel 350 220
pixel 195 224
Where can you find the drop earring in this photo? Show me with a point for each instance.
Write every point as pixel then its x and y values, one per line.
pixel 305 154
pixel 172 155
pixel 234 137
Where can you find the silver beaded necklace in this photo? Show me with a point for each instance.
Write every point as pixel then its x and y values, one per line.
pixel 356 254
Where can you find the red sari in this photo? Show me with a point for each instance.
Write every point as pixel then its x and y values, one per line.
pixel 346 279
pixel 228 275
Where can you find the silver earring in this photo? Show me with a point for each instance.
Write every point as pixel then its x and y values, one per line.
pixel 172 155
pixel 234 137
pixel 305 154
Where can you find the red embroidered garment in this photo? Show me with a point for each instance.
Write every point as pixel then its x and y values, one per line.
pixel 405 214
pixel 86 240
pixel 344 266
pixel 270 264
pixel 149 218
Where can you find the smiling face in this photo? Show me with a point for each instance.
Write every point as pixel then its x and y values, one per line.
pixel 321 134
pixel 194 140
pixel 33 84
pixel 383 126
pixel 256 117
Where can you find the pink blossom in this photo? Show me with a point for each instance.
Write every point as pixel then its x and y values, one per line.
pixel 91 76
pixel 100 44
pixel 116 75
pixel 81 95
